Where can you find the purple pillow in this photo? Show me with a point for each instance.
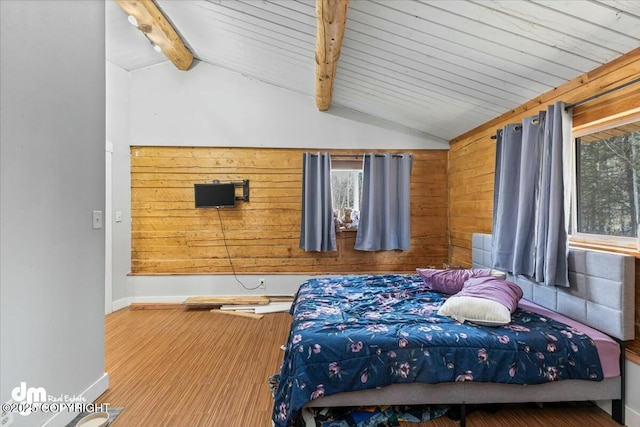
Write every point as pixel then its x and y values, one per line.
pixel 498 290
pixel 450 281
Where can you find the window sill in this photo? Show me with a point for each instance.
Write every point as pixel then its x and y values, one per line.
pixel 632 356
pixel 605 247
pixel 348 230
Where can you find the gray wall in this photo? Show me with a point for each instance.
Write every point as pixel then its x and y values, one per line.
pixel 52 154
pixel 117 114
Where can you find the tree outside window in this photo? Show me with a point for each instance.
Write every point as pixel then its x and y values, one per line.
pixel 608 163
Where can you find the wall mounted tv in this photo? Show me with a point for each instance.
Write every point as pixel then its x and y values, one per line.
pixel 215 195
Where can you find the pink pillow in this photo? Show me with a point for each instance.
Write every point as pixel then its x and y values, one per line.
pixel 450 281
pixel 491 288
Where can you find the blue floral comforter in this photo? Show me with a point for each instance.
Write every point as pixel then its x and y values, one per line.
pixel 360 332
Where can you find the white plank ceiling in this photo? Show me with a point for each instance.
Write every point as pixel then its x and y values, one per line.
pixel 440 67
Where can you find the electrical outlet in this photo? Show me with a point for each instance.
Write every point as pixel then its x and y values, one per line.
pixel 6 417
pixel 261 283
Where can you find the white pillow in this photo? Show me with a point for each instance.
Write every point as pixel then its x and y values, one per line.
pixel 481 311
pixel 499 274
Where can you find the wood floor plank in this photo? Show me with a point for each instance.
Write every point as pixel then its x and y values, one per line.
pixel 180 368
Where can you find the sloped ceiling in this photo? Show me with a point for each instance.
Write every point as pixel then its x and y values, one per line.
pixel 439 67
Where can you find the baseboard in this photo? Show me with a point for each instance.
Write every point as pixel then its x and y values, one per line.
pixel 156 306
pixel 159 299
pixel 126 302
pixel 176 288
pixel 120 304
pixel 631 417
pixel 61 419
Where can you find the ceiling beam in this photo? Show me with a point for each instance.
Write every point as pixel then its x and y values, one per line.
pixel 331 16
pixel 155 25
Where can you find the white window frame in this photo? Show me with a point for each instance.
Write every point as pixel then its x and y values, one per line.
pixel 356 185
pixel 351 165
pixel 598 239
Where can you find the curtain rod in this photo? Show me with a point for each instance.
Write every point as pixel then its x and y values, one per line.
pixel 594 97
pixel 606 92
pixel 347 156
pixel 357 156
pixel 518 127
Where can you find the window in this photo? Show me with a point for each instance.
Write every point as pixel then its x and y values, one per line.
pixel 606 203
pixel 346 191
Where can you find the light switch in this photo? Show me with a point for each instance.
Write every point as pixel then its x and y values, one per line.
pixel 97 220
pixel 118 216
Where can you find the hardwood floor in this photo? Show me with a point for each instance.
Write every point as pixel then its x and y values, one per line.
pixel 193 369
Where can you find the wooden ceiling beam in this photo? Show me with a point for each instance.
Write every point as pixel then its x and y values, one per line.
pixel 331 17
pixel 155 25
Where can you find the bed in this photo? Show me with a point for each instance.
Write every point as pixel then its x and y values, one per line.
pixel 374 340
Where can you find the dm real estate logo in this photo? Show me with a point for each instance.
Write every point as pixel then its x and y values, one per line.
pixel 30 397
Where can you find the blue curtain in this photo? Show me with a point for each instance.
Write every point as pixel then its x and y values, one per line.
pixel 385 217
pixel 317 229
pixel 552 222
pixel 531 197
pixel 515 190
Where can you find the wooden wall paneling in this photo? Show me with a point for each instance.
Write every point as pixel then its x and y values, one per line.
pixel 616 103
pixel 170 236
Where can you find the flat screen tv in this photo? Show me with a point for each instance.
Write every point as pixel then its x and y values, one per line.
pixel 215 195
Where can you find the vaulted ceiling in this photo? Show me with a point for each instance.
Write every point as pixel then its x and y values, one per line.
pixel 439 67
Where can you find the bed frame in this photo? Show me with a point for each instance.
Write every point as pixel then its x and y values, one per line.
pixel 601 295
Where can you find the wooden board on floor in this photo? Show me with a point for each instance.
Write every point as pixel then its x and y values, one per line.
pixel 281 299
pixel 155 306
pixel 241 307
pixel 239 313
pixel 273 307
pixel 239 300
